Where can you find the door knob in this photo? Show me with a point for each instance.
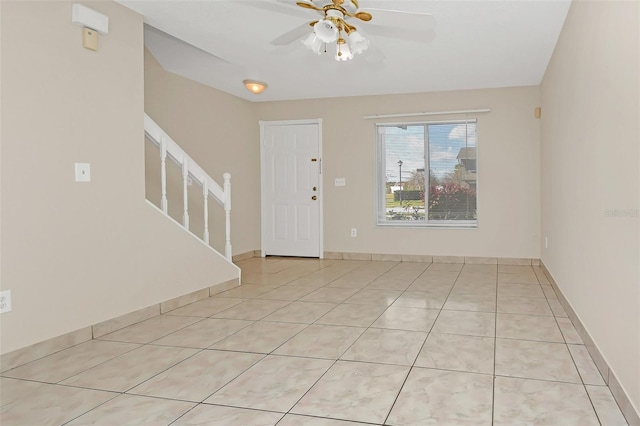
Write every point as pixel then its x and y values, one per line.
pixel 315 189
pixel 314 198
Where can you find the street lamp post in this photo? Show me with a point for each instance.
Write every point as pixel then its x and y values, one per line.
pixel 400 174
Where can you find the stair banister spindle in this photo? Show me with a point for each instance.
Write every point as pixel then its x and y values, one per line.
pixel 163 174
pixel 227 214
pixel 185 192
pixel 205 193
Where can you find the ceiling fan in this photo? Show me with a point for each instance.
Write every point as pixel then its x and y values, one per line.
pixel 333 27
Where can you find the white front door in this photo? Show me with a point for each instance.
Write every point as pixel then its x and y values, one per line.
pixel 291 192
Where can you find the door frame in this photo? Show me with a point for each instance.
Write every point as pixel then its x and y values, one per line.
pixel 263 202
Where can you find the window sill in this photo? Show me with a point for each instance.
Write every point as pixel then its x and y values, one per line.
pixel 427 225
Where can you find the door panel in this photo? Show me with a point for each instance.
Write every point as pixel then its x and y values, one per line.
pixel 291 171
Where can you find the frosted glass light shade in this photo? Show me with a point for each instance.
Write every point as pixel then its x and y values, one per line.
pixel 255 87
pixel 326 31
pixel 313 43
pixel 343 52
pixel 358 43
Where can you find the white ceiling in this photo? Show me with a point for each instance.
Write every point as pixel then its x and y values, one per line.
pixel 465 45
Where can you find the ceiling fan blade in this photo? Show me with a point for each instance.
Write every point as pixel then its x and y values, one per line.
pixel 399 19
pixel 284 7
pixel 308 5
pixel 374 56
pixel 291 36
pixel 422 35
pixel 375 9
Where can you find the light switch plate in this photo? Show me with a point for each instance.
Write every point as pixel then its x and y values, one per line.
pixel 83 172
pixel 5 301
pixel 340 182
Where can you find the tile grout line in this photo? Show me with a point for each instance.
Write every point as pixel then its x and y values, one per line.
pixel 330 367
pixel 425 340
pixel 584 386
pixel 60 381
pixel 283 343
pixel 90 410
pixel 566 345
pixel 351 345
pixel 184 414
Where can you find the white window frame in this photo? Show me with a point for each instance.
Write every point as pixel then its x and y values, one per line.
pixel 380 183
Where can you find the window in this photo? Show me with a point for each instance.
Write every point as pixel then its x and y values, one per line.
pixel 427 174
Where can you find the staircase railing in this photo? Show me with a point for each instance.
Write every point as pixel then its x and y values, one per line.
pixel 190 170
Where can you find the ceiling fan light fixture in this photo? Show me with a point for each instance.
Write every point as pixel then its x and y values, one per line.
pixel 357 42
pixel 313 43
pixel 326 31
pixel 254 86
pixel 334 28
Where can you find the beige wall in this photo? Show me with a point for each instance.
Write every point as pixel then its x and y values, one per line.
pixel 508 172
pixel 75 254
pixel 590 164
pixel 221 133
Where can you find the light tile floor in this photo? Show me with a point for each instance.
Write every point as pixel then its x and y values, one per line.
pixel 324 342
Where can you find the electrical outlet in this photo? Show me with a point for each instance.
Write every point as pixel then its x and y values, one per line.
pixel 354 232
pixel 5 301
pixel 83 172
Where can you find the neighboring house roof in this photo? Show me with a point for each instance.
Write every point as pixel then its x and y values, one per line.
pixel 468 153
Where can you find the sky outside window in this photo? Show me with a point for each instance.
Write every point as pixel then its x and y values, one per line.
pixel 407 143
